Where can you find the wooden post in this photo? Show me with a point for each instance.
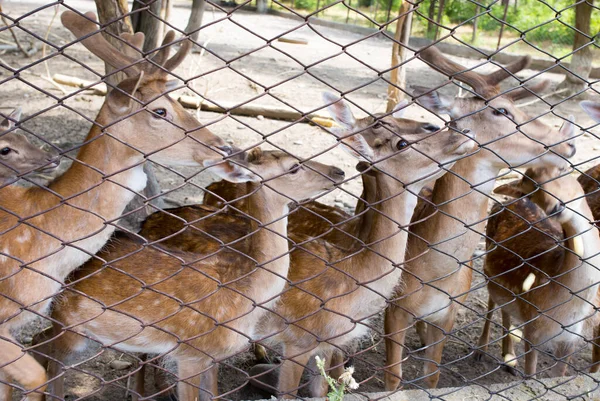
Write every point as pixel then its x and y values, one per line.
pixel 401 37
pixel 114 10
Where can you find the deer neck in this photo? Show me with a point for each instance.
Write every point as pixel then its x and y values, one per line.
pixel 388 217
pixel 82 206
pixel 268 244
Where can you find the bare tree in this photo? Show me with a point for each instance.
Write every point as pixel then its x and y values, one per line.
pixel 581 62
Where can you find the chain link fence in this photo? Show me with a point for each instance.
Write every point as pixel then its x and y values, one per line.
pixel 206 200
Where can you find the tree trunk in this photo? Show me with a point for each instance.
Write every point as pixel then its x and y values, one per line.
pixel 397 75
pixel 109 11
pixel 474 36
pixel 430 19
pixel 581 62
pixel 146 20
pixel 195 21
pixel 438 20
pixel 261 6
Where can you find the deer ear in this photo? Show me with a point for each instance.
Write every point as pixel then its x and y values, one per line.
pixel 513 189
pixel 357 146
pixel 339 111
pixel 231 172
pixel 592 109
pixel 432 100
pixel 400 109
pixel 568 128
pixel 13 117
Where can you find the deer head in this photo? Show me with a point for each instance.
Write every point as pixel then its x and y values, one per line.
pixel 282 173
pixel 139 111
pixel 17 155
pixel 554 190
pixel 507 135
pixel 409 150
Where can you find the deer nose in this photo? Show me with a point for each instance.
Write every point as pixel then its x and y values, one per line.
pixel 228 150
pixel 337 173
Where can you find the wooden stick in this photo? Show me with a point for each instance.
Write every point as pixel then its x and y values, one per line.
pixel 250 110
pixel 98 89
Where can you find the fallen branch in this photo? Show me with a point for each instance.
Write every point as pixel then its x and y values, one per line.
pixel 195 102
pixel 97 89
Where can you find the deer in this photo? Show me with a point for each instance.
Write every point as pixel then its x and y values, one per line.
pixel 553 293
pixel 18 156
pixel 47 232
pixel 436 277
pixel 402 154
pixel 210 305
pixel 518 252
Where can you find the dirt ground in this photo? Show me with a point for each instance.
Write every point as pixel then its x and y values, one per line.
pixel 64 122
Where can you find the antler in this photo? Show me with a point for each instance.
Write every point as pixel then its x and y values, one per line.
pixel 483 85
pixel 85 27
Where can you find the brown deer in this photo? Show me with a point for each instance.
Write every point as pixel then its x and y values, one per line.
pixel 49 232
pixel 19 156
pixel 363 266
pixel 436 277
pixel 552 293
pixel 193 308
pixel 521 251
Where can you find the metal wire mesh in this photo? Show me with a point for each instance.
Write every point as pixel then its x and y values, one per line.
pixel 423 193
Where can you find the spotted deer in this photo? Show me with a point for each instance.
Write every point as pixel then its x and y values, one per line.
pixel 19 156
pixel 552 293
pixel 49 232
pixel 436 278
pixel 363 262
pixel 193 308
pixel 517 253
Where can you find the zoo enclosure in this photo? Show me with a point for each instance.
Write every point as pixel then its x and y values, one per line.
pixel 569 64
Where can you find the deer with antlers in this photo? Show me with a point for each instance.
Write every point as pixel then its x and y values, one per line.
pixel 525 245
pixel 19 156
pixel 192 308
pixel 436 278
pixel 49 232
pixel 362 260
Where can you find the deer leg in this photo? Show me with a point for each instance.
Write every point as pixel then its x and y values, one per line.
pixel 422 331
pixel 396 323
pixel 562 355
pixel 596 350
pixel 189 374
pixel 5 388
pixel 290 371
pixel 337 364
pixel 139 380
pixel 484 340
pixel 23 368
pixel 531 355
pixel 508 345
pixel 436 340
pixel 209 388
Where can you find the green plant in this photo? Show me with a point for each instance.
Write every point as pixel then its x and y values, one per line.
pixel 338 388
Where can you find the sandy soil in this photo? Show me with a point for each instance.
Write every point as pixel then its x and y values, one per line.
pixel 273 74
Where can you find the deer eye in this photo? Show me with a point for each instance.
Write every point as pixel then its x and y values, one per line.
pixel 294 169
pixel 5 151
pixel 401 144
pixel 160 112
pixel 501 111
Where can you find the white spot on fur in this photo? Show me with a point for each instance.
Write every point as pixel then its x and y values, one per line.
pixel 23 237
